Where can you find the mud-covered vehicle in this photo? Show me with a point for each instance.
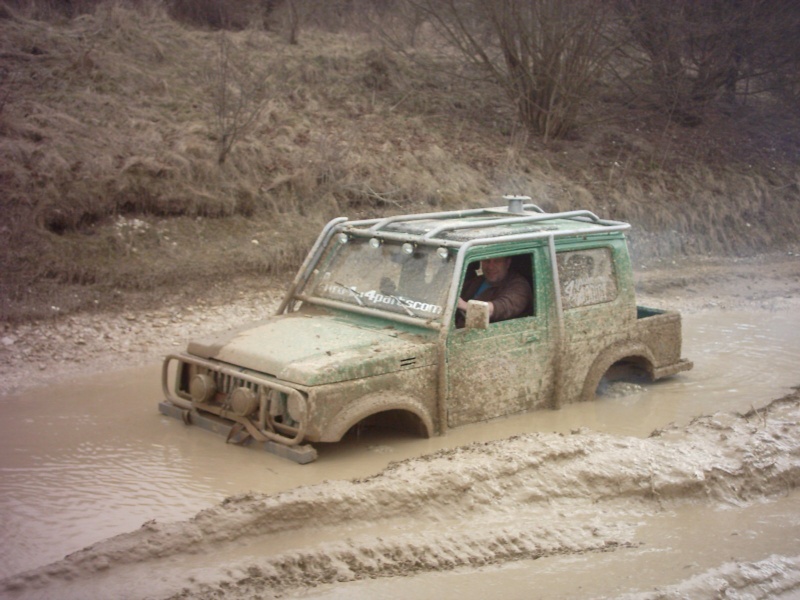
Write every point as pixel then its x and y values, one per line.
pixel 372 330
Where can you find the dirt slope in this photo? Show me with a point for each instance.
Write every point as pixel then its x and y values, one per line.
pixel 110 140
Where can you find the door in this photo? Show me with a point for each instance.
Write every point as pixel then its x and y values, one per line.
pixel 501 370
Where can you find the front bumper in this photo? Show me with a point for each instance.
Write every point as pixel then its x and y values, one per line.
pixel 269 421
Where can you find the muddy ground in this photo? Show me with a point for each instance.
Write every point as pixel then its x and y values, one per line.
pixel 50 350
pixel 475 512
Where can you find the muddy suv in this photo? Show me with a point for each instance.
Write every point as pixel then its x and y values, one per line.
pixel 371 331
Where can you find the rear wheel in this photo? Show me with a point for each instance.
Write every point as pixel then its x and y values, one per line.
pixel 622 378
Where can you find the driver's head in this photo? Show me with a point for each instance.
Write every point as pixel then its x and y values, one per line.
pixel 495 269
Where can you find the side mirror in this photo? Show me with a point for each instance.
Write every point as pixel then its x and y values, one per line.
pixel 477 315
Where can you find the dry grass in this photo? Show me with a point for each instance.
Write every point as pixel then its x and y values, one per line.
pixel 110 180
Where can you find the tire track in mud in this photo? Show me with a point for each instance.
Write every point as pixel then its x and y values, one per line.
pixel 479 504
pixel 342 562
pixel 774 577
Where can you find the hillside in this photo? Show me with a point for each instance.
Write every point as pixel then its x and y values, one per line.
pixel 115 190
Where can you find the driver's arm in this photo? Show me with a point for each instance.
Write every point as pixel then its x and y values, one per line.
pixel 512 301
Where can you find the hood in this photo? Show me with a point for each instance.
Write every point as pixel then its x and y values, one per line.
pixel 315 349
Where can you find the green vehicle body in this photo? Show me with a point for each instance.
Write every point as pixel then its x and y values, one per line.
pixel 367 331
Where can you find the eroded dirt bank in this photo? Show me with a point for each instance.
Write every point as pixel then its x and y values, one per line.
pixel 487 504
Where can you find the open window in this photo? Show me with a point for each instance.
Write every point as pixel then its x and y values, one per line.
pixel 476 286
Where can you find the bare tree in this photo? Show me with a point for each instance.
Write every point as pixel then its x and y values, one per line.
pixel 6 79
pixel 773 52
pixel 293 21
pixel 203 13
pixel 239 94
pixel 545 54
pixel 287 15
pixel 701 50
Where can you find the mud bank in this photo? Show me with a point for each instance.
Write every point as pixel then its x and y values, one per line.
pixel 477 506
pixel 773 577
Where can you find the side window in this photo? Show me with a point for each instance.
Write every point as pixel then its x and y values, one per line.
pixel 586 277
pixel 506 282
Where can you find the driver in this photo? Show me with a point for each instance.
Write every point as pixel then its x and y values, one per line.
pixel 507 292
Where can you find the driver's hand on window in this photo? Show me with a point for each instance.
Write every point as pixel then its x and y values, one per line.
pixel 462 305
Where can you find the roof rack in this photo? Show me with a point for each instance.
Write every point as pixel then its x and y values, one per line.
pixel 516 213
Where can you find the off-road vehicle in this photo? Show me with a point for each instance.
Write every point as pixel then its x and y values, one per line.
pixel 368 331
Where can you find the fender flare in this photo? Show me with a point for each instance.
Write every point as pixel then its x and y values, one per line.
pixel 609 356
pixel 372 404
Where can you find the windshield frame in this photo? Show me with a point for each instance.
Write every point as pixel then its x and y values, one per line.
pixel 377 303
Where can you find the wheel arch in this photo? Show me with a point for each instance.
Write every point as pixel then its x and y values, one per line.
pixel 636 354
pixel 375 404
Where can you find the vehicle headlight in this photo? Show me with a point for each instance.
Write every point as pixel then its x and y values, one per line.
pixel 296 407
pixel 277 403
pixel 244 401
pixel 202 387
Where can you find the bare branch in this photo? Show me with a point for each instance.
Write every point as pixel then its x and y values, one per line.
pixel 240 93
pixel 545 54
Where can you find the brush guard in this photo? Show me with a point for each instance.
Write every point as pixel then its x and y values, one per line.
pixel 216 413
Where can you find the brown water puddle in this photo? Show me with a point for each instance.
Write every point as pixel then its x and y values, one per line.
pixel 89 459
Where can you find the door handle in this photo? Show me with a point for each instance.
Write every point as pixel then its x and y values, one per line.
pixel 530 338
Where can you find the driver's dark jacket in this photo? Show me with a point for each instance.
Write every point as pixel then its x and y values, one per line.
pixel 511 297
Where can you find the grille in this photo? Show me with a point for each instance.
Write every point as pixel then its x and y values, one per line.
pixel 227 383
pixel 408 362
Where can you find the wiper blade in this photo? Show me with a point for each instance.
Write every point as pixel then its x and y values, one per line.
pixel 402 303
pixel 352 290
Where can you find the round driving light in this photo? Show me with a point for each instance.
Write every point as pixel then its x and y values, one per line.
pixel 375 242
pixel 342 237
pixel 442 252
pixel 296 407
pixel 277 403
pixel 408 248
pixel 202 387
pixel 244 401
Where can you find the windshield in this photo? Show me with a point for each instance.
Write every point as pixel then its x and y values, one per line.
pixel 383 277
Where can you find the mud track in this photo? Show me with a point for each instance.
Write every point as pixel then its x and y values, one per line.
pixel 485 504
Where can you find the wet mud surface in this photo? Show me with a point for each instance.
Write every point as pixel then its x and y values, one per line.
pixel 682 489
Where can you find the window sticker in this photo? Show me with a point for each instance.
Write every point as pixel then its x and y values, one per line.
pixel 586 277
pixel 384 277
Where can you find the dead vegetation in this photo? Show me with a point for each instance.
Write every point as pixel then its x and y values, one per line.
pixel 122 175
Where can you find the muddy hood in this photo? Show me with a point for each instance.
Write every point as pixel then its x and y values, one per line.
pixel 315 350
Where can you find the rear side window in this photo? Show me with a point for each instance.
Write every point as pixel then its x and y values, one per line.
pixel 586 277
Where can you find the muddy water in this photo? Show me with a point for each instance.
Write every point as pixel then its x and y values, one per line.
pixel 89 459
pixel 673 546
